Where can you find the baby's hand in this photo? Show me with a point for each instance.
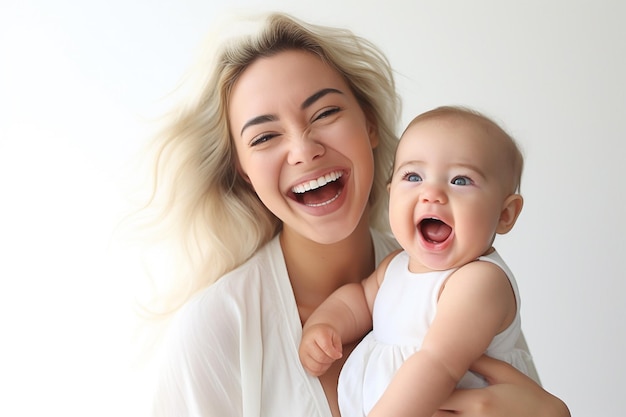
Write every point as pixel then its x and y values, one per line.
pixel 319 348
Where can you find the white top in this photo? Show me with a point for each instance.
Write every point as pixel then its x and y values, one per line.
pixel 404 309
pixel 233 349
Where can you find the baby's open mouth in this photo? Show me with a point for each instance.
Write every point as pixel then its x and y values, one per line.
pixel 321 191
pixel 434 230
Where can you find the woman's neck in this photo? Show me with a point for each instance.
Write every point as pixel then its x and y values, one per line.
pixel 316 270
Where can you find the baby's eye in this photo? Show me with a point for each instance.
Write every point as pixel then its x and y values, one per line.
pixel 412 177
pixel 461 181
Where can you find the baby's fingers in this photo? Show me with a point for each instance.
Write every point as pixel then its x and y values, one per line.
pixel 318 351
pixel 319 357
pixel 331 346
pixel 315 361
pixel 316 368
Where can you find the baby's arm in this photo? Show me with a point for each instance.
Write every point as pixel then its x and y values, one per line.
pixel 343 317
pixel 476 303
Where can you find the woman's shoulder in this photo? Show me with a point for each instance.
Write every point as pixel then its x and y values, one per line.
pixel 214 312
pixel 240 287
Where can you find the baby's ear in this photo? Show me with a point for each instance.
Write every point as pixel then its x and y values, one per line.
pixel 511 208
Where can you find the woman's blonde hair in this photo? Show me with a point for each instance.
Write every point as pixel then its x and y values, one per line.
pixel 200 199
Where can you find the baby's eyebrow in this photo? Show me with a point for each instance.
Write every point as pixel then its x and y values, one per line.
pixel 473 168
pixel 313 98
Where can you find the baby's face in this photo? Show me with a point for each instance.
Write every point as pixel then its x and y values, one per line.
pixel 447 191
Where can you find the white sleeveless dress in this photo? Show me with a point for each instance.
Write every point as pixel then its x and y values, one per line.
pixel 405 306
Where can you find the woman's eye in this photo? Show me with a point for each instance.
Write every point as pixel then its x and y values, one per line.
pixel 261 139
pixel 461 181
pixel 325 113
pixel 412 177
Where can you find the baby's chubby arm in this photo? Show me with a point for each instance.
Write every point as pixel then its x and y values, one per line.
pixel 344 317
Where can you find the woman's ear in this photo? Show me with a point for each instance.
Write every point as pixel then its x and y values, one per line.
pixel 372 131
pixel 243 174
pixel 511 210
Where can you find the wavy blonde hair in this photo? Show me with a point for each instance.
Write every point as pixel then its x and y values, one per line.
pixel 201 201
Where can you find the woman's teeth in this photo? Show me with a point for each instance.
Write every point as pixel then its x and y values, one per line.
pixel 314 184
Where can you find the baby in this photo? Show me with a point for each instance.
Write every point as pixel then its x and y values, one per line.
pixel 448 297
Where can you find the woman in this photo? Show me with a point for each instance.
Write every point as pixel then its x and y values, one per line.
pixel 273 177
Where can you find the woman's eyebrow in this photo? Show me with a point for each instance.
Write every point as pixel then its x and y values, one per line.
pixel 258 120
pixel 313 98
pixel 309 101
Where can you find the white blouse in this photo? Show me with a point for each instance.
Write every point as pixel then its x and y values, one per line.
pixel 233 349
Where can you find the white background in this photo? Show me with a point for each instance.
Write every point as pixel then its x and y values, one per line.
pixel 81 81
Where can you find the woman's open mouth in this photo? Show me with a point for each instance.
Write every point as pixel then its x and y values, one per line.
pixel 321 191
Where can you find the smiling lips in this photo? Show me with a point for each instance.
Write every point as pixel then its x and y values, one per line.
pixel 321 191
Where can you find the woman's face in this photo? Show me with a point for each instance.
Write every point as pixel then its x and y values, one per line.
pixel 304 144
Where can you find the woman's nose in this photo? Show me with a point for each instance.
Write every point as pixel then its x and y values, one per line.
pixel 304 148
